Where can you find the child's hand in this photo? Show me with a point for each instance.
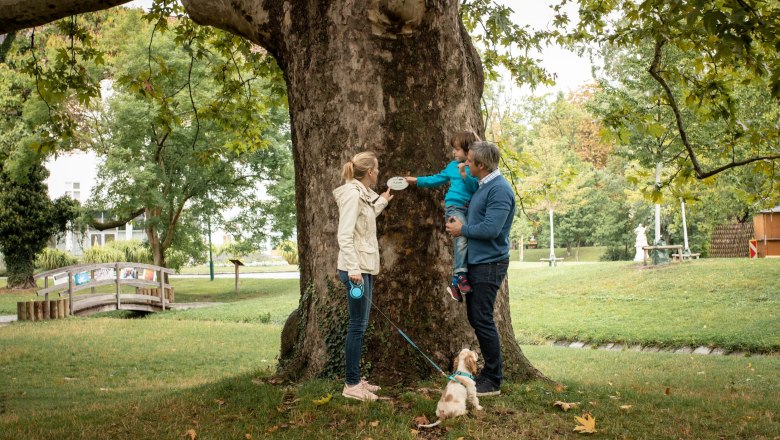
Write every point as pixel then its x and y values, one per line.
pixel 411 180
pixel 462 169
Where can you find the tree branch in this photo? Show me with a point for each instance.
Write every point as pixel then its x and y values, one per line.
pixel 700 173
pixel 22 14
pixel 102 226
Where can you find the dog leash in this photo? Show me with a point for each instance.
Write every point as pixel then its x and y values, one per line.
pixel 450 377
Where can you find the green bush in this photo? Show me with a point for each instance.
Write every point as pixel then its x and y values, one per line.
pixel 289 251
pixel 51 258
pixel 133 250
pixel 617 253
pixel 104 254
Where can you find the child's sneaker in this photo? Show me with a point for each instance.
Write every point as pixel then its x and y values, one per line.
pixel 463 284
pixel 454 292
pixel 358 392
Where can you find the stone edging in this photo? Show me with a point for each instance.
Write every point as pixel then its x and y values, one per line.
pixel 701 350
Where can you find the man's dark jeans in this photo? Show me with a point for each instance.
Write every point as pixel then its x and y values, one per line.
pixel 485 281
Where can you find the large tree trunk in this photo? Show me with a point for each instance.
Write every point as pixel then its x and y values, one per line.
pixel 399 78
pixel 20 272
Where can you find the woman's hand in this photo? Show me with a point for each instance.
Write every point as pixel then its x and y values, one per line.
pixel 386 195
pixel 356 279
pixel 411 180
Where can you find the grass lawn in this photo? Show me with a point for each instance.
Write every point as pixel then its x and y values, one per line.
pixel 586 254
pixel 208 370
pixel 728 303
pixel 204 270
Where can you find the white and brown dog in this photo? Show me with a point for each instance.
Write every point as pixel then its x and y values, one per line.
pixel 460 388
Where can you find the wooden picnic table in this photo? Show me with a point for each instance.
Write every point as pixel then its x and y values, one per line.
pixel 677 247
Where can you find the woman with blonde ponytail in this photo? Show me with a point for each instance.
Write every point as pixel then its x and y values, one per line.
pixel 358 260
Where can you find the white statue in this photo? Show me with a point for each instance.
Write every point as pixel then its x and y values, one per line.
pixel 641 240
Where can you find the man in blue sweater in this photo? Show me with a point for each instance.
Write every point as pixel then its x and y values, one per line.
pixel 489 220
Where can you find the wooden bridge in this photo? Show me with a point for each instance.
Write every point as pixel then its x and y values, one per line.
pixel 151 292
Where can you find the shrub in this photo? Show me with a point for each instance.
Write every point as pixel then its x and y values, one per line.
pixel 617 253
pixel 51 258
pixel 133 250
pixel 289 251
pixel 104 254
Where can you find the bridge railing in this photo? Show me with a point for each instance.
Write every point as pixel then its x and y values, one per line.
pixel 65 281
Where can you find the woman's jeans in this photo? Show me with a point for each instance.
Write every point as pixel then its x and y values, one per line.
pixel 485 280
pixel 359 310
pixel 460 244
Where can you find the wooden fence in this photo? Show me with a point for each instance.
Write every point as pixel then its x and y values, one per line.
pixel 731 241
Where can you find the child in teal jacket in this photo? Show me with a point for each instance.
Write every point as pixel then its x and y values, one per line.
pixel 456 201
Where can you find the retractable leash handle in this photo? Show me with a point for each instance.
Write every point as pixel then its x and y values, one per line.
pixel 355 290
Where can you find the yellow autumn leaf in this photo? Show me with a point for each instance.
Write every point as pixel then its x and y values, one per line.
pixel 587 424
pixel 323 400
pixel 191 434
pixel 566 405
pixel 374 424
pixel 626 407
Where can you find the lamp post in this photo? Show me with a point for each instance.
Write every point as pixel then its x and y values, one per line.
pixel 211 257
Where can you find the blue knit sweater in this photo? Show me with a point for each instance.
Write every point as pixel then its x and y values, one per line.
pixel 460 191
pixel 490 216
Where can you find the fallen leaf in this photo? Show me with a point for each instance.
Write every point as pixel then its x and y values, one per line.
pixel 191 434
pixel 219 402
pixel 421 420
pixel 414 432
pixel 248 436
pixel 626 407
pixel 362 424
pixel 559 388
pixel 323 400
pixel 566 405
pixel 374 424
pixel 272 429
pixel 461 438
pixel 587 424
pixel 668 391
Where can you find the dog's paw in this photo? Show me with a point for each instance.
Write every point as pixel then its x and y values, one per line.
pixel 478 408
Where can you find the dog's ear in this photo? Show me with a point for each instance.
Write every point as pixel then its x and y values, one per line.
pixel 471 362
pixel 455 362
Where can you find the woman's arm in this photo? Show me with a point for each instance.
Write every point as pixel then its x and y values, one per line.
pixel 348 214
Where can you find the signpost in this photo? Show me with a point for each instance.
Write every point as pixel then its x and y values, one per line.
pixel 236 263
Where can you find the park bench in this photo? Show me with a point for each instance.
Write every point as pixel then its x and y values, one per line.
pixel 647 249
pixel 551 261
pixel 685 256
pixel 152 292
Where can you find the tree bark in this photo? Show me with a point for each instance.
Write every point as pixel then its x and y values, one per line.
pixel 22 14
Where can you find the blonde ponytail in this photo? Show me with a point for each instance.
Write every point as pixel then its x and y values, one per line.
pixel 359 166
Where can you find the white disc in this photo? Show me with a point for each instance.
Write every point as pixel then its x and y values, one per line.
pixel 397 183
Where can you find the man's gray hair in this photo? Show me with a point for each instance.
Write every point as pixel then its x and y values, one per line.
pixel 485 153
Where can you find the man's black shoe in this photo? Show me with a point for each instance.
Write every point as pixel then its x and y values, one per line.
pixel 485 387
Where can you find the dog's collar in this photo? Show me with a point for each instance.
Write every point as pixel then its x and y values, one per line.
pixel 459 373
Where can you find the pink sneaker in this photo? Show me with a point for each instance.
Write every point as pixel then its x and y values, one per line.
pixel 369 387
pixel 358 392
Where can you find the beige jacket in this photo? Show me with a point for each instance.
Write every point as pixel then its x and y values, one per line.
pixel 358 209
